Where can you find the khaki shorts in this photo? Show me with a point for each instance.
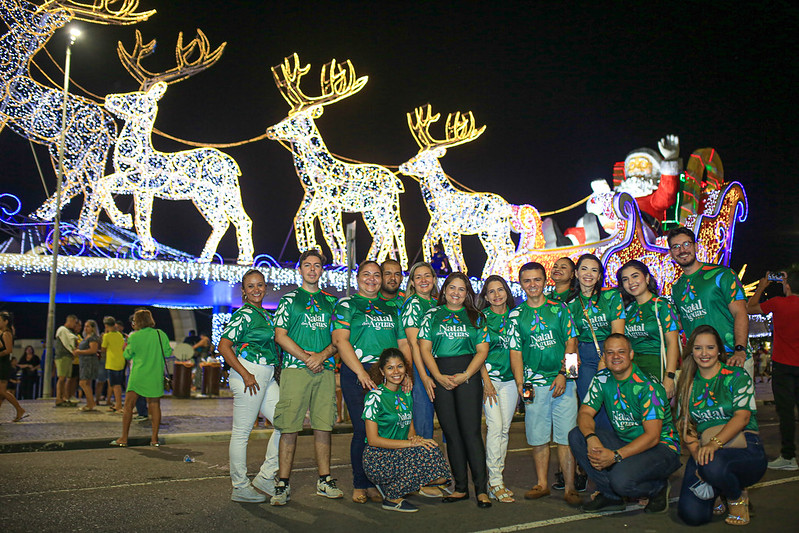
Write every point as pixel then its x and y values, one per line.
pixel 301 390
pixel 63 367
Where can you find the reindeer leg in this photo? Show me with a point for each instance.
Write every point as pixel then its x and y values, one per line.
pixel 143 202
pixel 218 220
pixel 300 233
pixel 455 252
pixel 399 234
pixel 234 210
pixel 330 220
pixel 377 236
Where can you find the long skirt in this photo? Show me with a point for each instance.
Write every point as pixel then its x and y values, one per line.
pixel 405 470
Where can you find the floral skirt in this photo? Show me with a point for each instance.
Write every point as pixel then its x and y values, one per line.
pixel 405 470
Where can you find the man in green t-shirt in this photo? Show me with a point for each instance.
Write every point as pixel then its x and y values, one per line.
pixel 710 294
pixel 390 291
pixel 637 456
pixel 307 382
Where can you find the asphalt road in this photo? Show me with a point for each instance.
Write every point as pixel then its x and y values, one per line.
pixel 153 489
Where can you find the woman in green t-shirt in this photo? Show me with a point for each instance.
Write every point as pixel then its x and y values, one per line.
pixel 396 459
pixel 500 394
pixel 422 293
pixel 717 404
pixel 248 346
pixel 453 339
pixel 363 326
pixel 562 273
pixel 650 324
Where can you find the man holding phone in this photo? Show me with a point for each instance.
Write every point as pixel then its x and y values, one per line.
pixel 541 333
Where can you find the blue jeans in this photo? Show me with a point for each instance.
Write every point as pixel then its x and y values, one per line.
pixel 730 471
pixel 422 408
pixel 353 395
pixel 640 476
pixel 589 360
pixel 141 406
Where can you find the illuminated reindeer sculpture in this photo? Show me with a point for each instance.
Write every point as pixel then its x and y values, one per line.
pixel 453 212
pixel 206 176
pixel 333 186
pixel 33 110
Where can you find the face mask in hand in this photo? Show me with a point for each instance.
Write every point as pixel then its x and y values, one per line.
pixel 703 490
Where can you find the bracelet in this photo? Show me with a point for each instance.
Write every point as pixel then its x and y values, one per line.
pixel 586 437
pixel 467 377
pixel 717 441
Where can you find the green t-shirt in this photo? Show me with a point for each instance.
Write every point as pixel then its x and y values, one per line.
pixel 630 403
pixel 704 297
pixel 392 411
pixel 451 332
pixel 715 400
pixel 306 318
pixel 252 332
pixel 541 333
pixel 498 360
pixel 602 309
pixel 641 325
pixel 559 297
pixel 374 325
pixel 414 309
pixel 396 301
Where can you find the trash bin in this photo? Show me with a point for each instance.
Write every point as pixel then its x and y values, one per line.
pixel 211 376
pixel 181 379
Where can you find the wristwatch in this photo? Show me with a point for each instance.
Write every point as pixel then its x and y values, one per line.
pixel 671 375
pixel 617 456
pixel 740 348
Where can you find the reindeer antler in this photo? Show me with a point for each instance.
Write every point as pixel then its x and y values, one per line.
pixel 185 66
pixel 337 81
pixel 103 11
pixel 459 129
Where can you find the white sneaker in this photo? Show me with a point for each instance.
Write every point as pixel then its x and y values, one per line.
pixel 282 493
pixel 247 495
pixel 263 484
pixel 327 487
pixel 781 463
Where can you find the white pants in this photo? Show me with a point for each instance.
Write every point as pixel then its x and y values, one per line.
pixel 245 411
pixel 498 419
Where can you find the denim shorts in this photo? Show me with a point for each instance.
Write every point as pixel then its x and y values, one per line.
pixel 549 418
pixel 116 377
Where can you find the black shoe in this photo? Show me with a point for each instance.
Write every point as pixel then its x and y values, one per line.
pixel 559 484
pixel 453 499
pixel 483 505
pixel 603 503
pixel 659 503
pixel 580 482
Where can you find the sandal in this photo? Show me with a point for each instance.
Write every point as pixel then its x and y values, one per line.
pixel 739 511
pixel 116 442
pixel 21 417
pixel 432 492
pixel 501 494
pixel 374 495
pixel 359 496
pixel 720 507
pixel 86 409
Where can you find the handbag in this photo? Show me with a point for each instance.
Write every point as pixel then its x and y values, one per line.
pixel 167 379
pixel 738 441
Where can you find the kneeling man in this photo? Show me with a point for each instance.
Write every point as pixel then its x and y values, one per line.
pixel 636 457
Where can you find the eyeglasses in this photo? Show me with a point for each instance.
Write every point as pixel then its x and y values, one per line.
pixel 684 246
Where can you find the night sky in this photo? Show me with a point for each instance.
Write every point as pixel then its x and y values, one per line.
pixel 566 89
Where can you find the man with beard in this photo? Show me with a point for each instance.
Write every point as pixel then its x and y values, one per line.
pixel 392 279
pixel 710 294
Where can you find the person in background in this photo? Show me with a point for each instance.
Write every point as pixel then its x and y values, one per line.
pixel 141 402
pixel 248 346
pixel 65 342
pixel 562 274
pixel 396 459
pixel 635 457
pixel 651 324
pixel 87 353
pixel 201 350
pixel 391 272
pixel 147 350
pixel 500 394
pixel 6 347
pixel 453 340
pixel 710 294
pixel 74 376
pixel 439 261
pixel 784 359
pixel 422 296
pixel 30 364
pixel 112 345
pixel 717 408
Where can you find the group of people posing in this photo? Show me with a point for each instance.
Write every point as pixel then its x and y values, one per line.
pixel 595 366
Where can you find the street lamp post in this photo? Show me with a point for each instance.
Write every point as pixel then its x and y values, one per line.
pixel 47 390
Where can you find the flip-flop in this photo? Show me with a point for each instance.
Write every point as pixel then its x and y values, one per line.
pixel 116 442
pixel 20 418
pixel 86 409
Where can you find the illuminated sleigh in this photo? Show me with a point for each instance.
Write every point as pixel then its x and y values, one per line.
pixel 714 227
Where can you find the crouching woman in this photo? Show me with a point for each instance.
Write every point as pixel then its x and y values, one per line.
pixel 396 459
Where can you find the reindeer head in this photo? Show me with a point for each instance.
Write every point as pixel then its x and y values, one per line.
pixel 116 12
pixel 33 20
pixel 139 104
pixel 459 129
pixel 338 82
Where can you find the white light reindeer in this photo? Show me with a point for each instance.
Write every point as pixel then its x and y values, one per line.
pixel 206 176
pixel 333 186
pixel 453 212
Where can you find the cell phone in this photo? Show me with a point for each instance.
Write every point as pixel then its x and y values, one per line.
pixel 528 393
pixel 571 365
pixel 774 276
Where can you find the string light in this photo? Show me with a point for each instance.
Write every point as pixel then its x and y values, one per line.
pixel 333 186
pixel 219 322
pixel 33 110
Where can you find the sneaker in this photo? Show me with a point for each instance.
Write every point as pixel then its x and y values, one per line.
pixel 403 506
pixel 327 487
pixel 559 484
pixel 247 495
pixel 264 484
pixel 659 503
pixel 282 493
pixel 781 463
pixel 580 482
pixel 603 503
